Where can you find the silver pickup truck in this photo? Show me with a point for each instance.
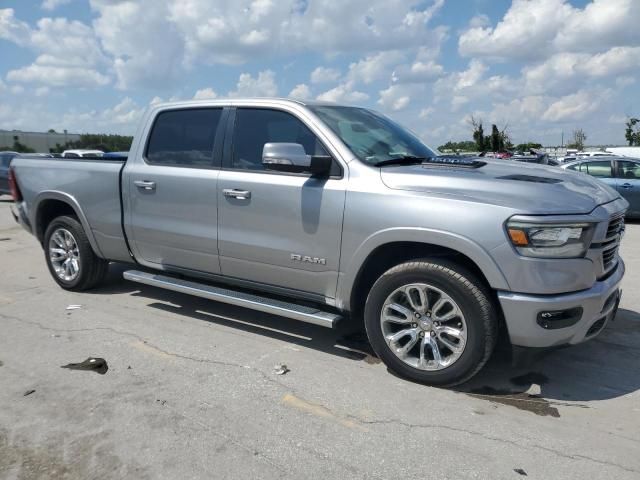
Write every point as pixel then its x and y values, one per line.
pixel 320 212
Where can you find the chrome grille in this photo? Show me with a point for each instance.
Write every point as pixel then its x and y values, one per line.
pixel 616 225
pixel 612 243
pixel 609 257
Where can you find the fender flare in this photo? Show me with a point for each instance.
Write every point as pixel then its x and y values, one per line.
pixel 349 275
pixel 73 203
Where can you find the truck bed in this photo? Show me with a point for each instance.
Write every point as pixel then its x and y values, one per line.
pixel 92 185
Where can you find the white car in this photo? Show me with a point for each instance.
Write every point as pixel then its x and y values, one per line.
pixel 82 153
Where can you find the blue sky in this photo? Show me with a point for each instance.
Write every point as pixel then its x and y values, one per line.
pixel 541 67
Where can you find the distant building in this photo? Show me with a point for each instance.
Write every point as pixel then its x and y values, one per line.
pixel 39 141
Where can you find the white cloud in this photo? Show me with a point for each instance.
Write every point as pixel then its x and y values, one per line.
pixel 374 67
pixel 300 91
pixel 146 48
pixel 575 106
pixel 53 4
pixel 58 76
pixel 204 94
pixel 325 75
pixel 343 93
pixel 68 52
pixel 264 85
pixel 538 28
pixel 418 72
pixel 395 98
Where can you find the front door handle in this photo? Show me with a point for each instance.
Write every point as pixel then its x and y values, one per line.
pixel 145 184
pixel 626 185
pixel 235 193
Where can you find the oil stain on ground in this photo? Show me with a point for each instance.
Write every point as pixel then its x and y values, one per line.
pixel 520 400
pixel 98 365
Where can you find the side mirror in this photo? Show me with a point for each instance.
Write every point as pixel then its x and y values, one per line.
pixel 291 157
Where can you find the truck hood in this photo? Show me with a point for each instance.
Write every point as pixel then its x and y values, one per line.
pixel 534 189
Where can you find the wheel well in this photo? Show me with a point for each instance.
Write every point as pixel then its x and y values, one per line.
pixel 47 212
pixel 389 255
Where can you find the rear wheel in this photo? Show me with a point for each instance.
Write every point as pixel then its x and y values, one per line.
pixel 70 258
pixel 431 321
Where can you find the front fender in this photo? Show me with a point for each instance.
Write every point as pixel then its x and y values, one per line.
pixel 35 212
pixel 349 274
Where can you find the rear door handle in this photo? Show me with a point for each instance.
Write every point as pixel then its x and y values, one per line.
pixel 627 185
pixel 235 193
pixel 145 184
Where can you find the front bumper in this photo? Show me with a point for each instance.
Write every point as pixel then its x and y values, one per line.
pixel 599 304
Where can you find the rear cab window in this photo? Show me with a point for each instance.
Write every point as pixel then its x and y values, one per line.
pixel 184 138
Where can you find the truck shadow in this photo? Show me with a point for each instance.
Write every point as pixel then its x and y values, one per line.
pixel 603 368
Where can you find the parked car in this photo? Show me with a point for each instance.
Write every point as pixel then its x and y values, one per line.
pixel 120 155
pixel 80 153
pixel 620 173
pixel 324 213
pixel 5 160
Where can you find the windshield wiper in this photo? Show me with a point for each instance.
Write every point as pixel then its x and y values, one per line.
pixel 404 160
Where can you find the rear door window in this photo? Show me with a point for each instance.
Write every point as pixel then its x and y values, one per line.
pixel 601 169
pixel 629 170
pixel 184 138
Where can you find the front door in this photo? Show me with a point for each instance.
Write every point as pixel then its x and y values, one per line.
pixel 171 191
pixel 277 228
pixel 629 184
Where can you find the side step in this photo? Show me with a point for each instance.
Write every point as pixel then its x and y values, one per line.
pixel 239 299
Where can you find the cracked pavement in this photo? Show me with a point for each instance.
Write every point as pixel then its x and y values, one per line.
pixel 191 393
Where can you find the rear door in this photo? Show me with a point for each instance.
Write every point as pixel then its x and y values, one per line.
pixel 172 216
pixel 602 170
pixel 628 174
pixel 277 228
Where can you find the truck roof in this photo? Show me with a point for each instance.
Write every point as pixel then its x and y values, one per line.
pixel 245 101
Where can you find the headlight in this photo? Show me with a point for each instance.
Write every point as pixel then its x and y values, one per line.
pixel 569 240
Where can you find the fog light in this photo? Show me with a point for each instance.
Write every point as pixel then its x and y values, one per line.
pixel 553 319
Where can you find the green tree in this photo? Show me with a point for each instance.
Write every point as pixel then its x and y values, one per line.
pixel 525 147
pixel 482 142
pixel 579 139
pixel 632 134
pixel 464 146
pixel 497 139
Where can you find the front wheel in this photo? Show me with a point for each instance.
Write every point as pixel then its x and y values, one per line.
pixel 431 321
pixel 70 258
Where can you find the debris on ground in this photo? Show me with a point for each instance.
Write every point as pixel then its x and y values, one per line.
pixel 74 307
pixel 28 392
pixel 129 367
pixel 280 369
pixel 1 363
pixel 161 402
pixel 98 365
pixel 4 239
pixel 520 471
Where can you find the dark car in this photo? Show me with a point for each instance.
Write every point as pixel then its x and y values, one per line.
pixel 620 173
pixel 5 160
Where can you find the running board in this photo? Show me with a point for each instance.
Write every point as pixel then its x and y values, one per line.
pixel 239 299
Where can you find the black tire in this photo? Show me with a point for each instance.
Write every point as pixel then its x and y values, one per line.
pixel 92 269
pixel 473 299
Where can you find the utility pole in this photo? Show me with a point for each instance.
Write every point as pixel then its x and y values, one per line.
pixel 562 141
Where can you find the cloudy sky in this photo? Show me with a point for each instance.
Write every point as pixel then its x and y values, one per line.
pixel 540 66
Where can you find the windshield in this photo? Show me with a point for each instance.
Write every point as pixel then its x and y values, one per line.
pixel 372 137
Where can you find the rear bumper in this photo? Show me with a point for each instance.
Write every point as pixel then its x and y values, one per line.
pixel 599 305
pixel 19 214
